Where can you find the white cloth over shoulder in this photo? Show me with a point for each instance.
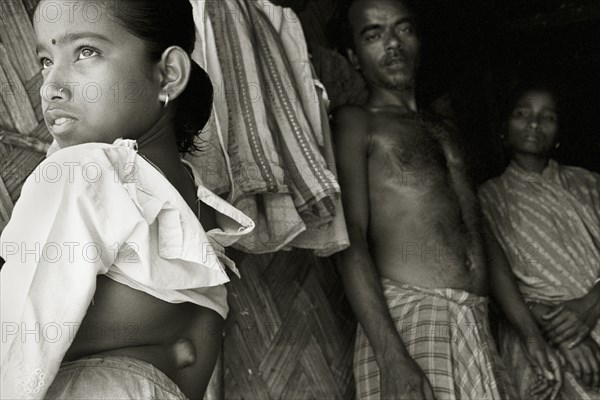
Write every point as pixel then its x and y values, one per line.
pixel 99 209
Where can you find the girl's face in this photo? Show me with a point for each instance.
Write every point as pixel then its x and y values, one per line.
pixel 98 85
pixel 533 124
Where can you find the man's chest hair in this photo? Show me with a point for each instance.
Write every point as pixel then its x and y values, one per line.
pixel 415 143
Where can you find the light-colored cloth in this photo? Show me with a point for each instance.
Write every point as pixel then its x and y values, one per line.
pixel 112 378
pixel 446 332
pixel 549 227
pixel 269 122
pixel 99 209
pixel 332 237
pixel 525 377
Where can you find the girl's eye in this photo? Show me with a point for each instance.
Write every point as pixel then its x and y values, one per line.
pixel 87 53
pixel 550 118
pixel 46 63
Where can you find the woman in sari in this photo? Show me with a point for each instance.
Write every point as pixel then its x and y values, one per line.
pixel 545 217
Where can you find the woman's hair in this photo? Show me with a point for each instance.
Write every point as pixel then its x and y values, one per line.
pixel 523 86
pixel 161 24
pixel 541 84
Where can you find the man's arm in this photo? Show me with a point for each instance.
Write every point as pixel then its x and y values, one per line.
pixel 359 274
pixel 506 292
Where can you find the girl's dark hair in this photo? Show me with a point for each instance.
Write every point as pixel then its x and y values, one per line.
pixel 161 24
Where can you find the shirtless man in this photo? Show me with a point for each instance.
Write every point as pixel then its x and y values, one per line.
pixel 415 272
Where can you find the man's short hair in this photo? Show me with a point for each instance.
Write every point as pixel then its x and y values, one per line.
pixel 339 29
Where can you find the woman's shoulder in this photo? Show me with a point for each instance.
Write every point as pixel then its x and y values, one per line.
pixel 492 196
pixel 489 186
pixel 580 173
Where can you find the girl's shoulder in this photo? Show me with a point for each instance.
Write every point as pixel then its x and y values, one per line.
pixel 103 154
pixel 91 176
pixel 88 164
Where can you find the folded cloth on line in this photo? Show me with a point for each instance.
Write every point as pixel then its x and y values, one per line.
pixel 446 332
pixel 269 123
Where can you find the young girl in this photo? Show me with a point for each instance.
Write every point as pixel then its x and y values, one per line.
pixel 113 282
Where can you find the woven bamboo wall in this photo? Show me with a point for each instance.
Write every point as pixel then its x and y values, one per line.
pixel 290 330
pixel 24 137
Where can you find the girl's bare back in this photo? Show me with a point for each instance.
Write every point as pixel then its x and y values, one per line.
pixel 182 340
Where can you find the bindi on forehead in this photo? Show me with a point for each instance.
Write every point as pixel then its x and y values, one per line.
pixel 53 41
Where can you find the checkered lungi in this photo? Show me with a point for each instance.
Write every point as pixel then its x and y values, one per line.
pixel 446 332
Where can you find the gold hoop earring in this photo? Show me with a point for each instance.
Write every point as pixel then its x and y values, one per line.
pixel 166 100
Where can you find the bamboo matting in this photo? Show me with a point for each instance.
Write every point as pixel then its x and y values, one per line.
pixel 23 134
pixel 290 331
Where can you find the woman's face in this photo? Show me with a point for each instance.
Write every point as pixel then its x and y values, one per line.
pixel 533 124
pixel 109 90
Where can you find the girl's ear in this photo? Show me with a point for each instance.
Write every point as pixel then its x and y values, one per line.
pixel 174 68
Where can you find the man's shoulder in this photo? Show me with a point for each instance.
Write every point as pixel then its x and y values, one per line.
pixel 440 124
pixel 351 123
pixel 369 121
pixel 351 113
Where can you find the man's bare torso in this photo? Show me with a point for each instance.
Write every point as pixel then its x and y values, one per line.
pixel 423 213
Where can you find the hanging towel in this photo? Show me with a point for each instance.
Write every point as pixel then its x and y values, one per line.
pixel 268 122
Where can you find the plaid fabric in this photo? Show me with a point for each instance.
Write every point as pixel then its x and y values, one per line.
pixel 446 332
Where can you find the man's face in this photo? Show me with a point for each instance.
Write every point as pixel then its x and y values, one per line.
pixel 386 45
